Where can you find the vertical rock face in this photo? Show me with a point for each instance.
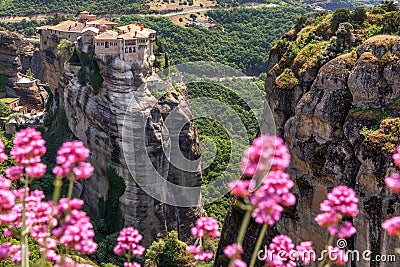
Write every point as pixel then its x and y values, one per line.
pixel 10 45
pixel 98 121
pixel 341 130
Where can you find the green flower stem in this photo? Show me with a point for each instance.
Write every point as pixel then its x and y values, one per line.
pixel 24 232
pixel 57 190
pixel 258 244
pixel 242 231
pixel 56 196
pixel 330 242
pixel 71 187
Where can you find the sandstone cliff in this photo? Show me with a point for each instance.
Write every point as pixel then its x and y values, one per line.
pixel 12 46
pixel 98 121
pixel 338 113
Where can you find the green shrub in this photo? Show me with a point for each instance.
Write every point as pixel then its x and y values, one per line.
pixel 170 252
pixel 287 80
pixel 339 16
pixel 82 79
pixel 65 47
pixel 96 81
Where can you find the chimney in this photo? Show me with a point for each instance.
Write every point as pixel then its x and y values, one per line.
pixel 129 29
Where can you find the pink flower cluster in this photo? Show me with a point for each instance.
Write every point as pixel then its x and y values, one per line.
pixel 305 252
pixel 3 155
pixel 71 156
pixel 235 250
pixel 71 226
pixel 38 214
pixel 199 253
pixel 48 223
pixel 267 152
pixel 271 197
pixel 76 230
pixel 392 226
pixel 341 202
pixel 29 147
pixel 128 242
pixel 274 193
pixel 7 198
pixel 205 227
pixel 393 182
pixel 281 252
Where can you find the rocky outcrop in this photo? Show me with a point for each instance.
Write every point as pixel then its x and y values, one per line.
pixel 341 130
pixel 33 60
pixel 98 121
pixel 10 47
pixel 329 4
pixel 34 97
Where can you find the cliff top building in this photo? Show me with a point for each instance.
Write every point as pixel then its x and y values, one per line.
pixel 131 43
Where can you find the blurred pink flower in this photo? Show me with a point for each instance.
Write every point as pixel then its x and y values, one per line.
pixel 341 202
pixel 14 172
pixel 280 251
pixel 83 171
pixel 239 263
pixel 393 182
pixel 199 253
pixel 233 249
pixel 241 188
pixel 3 155
pixel 76 231
pixel 4 250
pixel 392 226
pixel 128 241
pixel 396 157
pixel 36 171
pixel 28 147
pixel 206 226
pixel 306 252
pixel 266 153
pixel 271 196
pixel 71 155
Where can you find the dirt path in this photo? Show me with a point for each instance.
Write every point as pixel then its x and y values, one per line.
pixel 189 10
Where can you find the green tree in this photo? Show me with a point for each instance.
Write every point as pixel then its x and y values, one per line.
pixel 339 16
pixel 65 47
pixel 359 15
pixel 170 252
pixel 29 73
pixel 4 109
pixel 389 5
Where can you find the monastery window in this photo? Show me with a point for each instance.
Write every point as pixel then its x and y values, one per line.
pixel 130 49
pixel 69 35
pixel 107 46
pixel 45 43
pixel 126 50
pixel 130 42
pixel 97 43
